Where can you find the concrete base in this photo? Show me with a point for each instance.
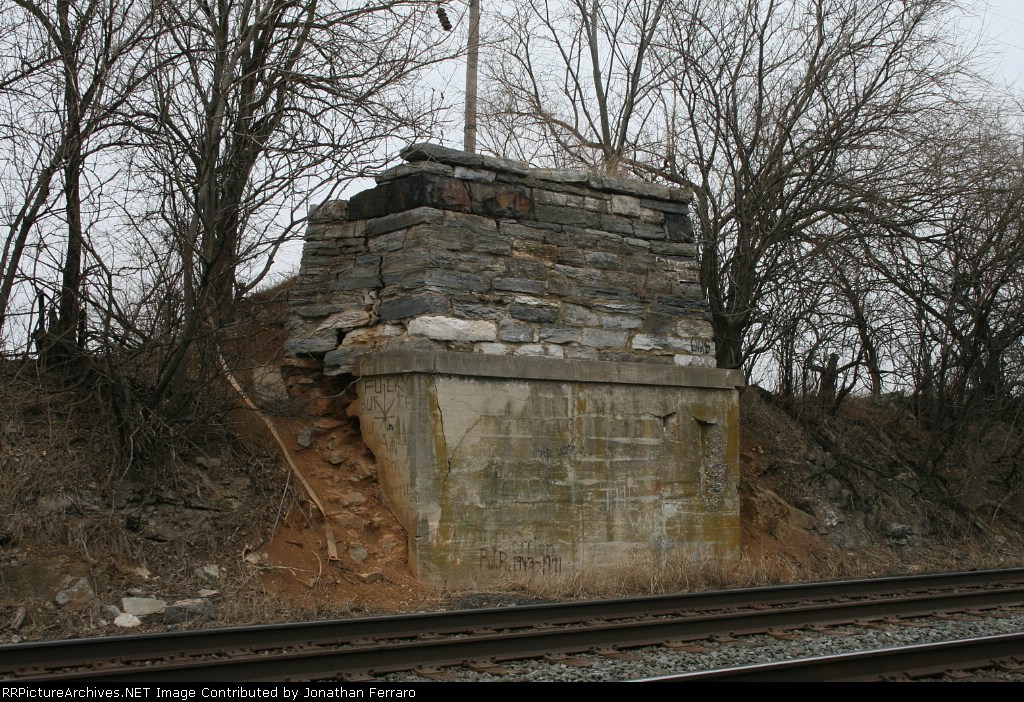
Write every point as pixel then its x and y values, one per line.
pixel 527 468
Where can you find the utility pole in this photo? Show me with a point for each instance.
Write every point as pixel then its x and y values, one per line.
pixel 472 59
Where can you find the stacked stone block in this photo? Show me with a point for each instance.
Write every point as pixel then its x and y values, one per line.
pixel 462 252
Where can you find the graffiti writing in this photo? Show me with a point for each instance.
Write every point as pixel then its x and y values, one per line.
pixel 560 452
pixel 499 560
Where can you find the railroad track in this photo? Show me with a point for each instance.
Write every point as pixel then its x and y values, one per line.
pixel 1003 652
pixel 355 649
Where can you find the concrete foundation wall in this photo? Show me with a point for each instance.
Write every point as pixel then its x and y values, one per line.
pixel 530 468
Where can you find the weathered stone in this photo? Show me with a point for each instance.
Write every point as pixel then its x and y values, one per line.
pixel 534 311
pixel 330 211
pixel 127 621
pixel 603 259
pixel 417 190
pixel 647 342
pixel 474 174
pixel 559 334
pixel 524 285
pixel 433 152
pixel 533 231
pixel 407 169
pixel 561 175
pixel 368 336
pixel 693 360
pixel 341 359
pixel 359 279
pixel 108 611
pixel 534 249
pixel 619 321
pixel 187 610
pixel 391 241
pixel 80 593
pixel 357 552
pixel 347 318
pixel 649 216
pixel 674 248
pixel 403 220
pixel 456 280
pixel 516 332
pixel 142 606
pixel 322 309
pixel 554 214
pixel 473 310
pixel 493 348
pixel 616 224
pixel 678 227
pixel 314 343
pixel 304 437
pixel 579 316
pixel 687 326
pixel 648 231
pixel 625 205
pixel 603 338
pixel 497 200
pixel 551 197
pixel 373 576
pixel 452 329
pixel 210 572
pixel 538 350
pixel 405 306
pixel 659 323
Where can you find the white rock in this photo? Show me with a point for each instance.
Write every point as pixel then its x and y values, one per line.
pixel 530 350
pixel 452 329
pixel 209 572
pixel 126 620
pixel 683 359
pixel 492 348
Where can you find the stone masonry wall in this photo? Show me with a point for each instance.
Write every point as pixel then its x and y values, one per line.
pixel 469 253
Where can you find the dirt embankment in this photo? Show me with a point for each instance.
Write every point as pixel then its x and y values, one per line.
pixel 223 518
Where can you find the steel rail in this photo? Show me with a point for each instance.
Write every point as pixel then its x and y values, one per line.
pixel 47 655
pixel 919 660
pixel 393 656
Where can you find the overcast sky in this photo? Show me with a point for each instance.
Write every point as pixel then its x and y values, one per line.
pixel 997 26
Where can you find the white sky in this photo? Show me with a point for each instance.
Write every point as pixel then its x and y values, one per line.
pixel 997 26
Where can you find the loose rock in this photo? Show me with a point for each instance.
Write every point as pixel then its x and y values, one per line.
pixel 77 595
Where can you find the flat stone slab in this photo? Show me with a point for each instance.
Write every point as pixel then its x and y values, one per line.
pixel 534 368
pixel 142 606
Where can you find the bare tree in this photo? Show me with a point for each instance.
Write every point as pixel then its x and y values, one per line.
pixel 958 278
pixel 575 83
pixel 75 65
pixel 796 118
pixel 786 118
pixel 264 104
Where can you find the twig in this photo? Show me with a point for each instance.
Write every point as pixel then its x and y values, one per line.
pixel 332 549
